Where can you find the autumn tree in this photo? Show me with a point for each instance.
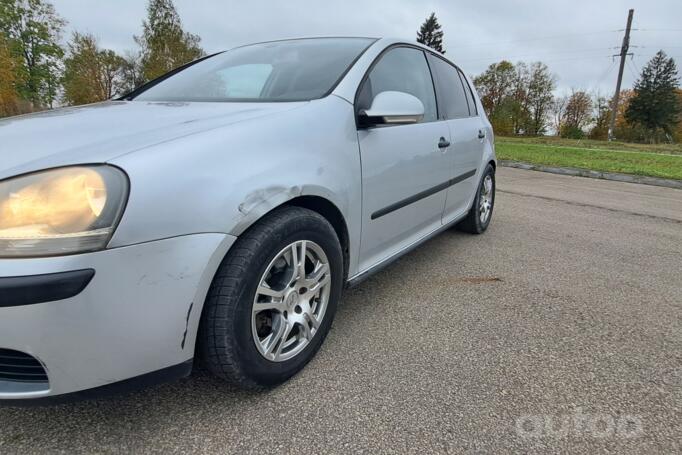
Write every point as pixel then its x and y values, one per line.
pixel 91 74
pixel 624 130
pixel 495 87
pixel 577 115
pixel 655 105
pixel 558 111
pixel 539 96
pixel 164 44
pixel 33 29
pixel 517 98
pixel 602 116
pixel 9 99
pixel 516 105
pixel 131 72
pixel 430 34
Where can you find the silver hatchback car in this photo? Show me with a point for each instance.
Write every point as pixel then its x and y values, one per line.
pixel 214 215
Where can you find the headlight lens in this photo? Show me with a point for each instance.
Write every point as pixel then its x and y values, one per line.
pixel 61 211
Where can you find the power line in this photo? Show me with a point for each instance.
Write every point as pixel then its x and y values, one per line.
pixel 577 58
pixel 542 54
pixel 496 43
pixel 660 47
pixel 632 71
pixel 649 56
pixel 605 74
pixel 659 29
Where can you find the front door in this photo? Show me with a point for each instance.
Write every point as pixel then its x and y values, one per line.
pixel 405 168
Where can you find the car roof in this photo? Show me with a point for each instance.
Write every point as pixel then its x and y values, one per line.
pixel 376 40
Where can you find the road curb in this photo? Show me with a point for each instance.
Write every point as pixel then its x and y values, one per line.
pixel 628 178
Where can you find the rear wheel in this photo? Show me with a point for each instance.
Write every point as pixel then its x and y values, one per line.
pixel 478 218
pixel 273 300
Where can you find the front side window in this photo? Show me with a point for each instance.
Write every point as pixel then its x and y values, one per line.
pixel 403 69
pixel 451 94
pixel 293 70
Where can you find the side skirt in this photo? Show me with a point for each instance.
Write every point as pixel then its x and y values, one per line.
pixel 362 276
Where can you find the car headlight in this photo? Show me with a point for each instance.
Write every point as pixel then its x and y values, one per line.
pixel 61 211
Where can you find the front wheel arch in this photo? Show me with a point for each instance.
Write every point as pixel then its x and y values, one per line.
pixel 224 354
pixel 331 213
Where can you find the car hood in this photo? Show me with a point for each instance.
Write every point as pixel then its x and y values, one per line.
pixel 100 132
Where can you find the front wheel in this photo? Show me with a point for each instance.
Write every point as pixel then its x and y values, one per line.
pixel 273 299
pixel 478 218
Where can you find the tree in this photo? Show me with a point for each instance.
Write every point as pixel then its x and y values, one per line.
pixel 131 76
pixel 165 45
pixel 655 105
pixel 602 115
pixel 541 84
pixel 577 116
pixel 91 74
pixel 33 30
pixel 430 34
pixel 495 87
pixel 516 104
pixel 625 130
pixel 9 99
pixel 678 132
pixel 558 112
pixel 517 98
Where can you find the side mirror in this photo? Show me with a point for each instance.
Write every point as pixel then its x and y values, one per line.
pixel 394 108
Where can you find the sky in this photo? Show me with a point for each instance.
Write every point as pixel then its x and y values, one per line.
pixel 576 38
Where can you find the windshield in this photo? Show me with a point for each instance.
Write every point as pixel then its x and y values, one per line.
pixel 294 70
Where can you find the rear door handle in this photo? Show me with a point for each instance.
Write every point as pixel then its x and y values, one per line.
pixel 443 143
pixel 481 134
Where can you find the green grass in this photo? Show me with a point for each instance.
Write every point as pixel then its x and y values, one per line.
pixel 659 160
pixel 673 149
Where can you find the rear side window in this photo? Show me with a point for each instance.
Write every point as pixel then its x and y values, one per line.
pixel 473 110
pixel 402 69
pixel 451 95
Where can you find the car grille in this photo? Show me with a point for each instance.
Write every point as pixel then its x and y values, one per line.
pixel 19 367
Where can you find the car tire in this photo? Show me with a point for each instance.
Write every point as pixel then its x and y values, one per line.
pixel 230 344
pixel 475 222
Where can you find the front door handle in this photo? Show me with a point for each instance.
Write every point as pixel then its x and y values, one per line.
pixel 443 143
pixel 481 134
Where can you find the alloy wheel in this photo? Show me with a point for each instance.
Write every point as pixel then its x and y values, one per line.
pixel 485 204
pixel 291 300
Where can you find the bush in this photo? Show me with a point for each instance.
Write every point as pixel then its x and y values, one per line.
pixel 572 132
pixel 599 133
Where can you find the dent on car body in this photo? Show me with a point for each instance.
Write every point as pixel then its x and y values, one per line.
pixel 260 201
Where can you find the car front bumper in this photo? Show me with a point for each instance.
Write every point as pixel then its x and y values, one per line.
pixel 137 314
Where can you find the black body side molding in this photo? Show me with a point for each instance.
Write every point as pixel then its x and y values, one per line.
pixel 419 196
pixel 33 289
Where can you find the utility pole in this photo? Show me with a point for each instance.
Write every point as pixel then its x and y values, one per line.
pixel 623 54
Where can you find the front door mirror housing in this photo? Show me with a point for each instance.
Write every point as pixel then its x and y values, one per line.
pixel 393 108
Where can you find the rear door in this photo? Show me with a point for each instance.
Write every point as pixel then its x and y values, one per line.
pixel 405 168
pixel 457 108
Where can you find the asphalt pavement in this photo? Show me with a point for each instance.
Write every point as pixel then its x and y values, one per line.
pixel 558 330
